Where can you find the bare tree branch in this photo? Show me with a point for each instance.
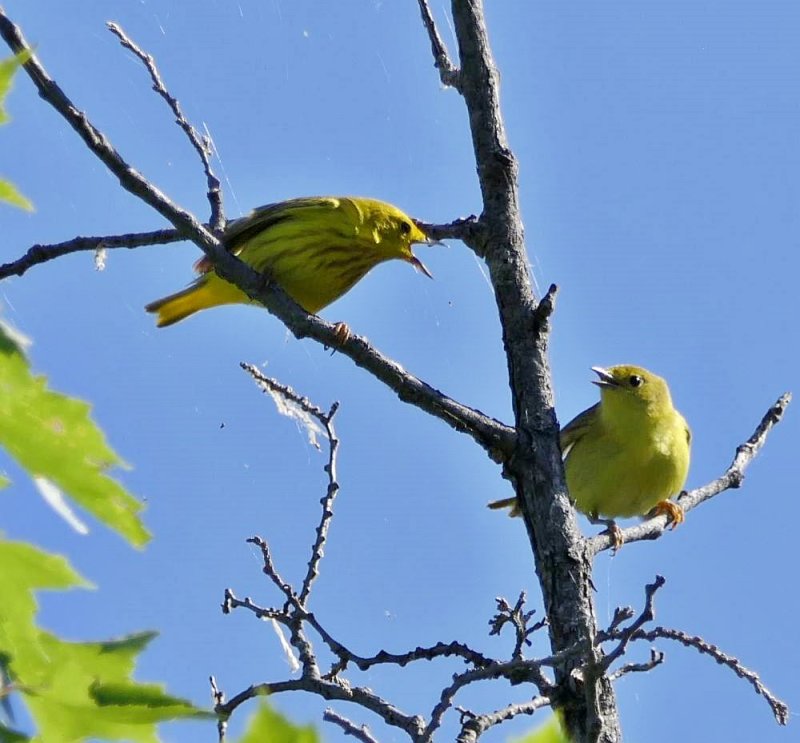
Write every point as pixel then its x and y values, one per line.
pixel 271 571
pixel 361 733
pixel 332 690
pixel 779 708
pixel 440 650
pixel 98 143
pixel 202 145
pixel 647 615
pixel 364 663
pixel 448 73
pixel 656 659
pixel 636 631
pixel 492 435
pixel 294 616
pixel 473 726
pixel 37 254
pixel 219 698
pixel 733 477
pixel 326 420
pixel 518 671
pixel 506 614
pixel 467 229
pixel 563 564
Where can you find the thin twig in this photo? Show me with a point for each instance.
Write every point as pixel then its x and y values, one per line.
pixel 636 631
pixel 270 570
pixel 326 420
pixel 654 527
pixel 333 690
pixel 361 733
pixel 231 602
pixel 473 725
pixel 517 671
pixel 621 614
pixel 37 254
pixel 298 639
pixel 779 708
pixel 647 615
pixel 518 619
pixel 467 229
pixel 448 72
pixel 219 699
pixel 202 145
pixel 347 656
pixel 439 650
pixel 656 659
pixel 545 308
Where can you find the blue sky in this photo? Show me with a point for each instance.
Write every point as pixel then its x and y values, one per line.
pixel 658 151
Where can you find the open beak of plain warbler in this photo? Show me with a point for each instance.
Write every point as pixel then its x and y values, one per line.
pixel 606 380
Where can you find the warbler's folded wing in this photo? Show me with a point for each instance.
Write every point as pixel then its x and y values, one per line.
pixel 239 232
pixel 577 427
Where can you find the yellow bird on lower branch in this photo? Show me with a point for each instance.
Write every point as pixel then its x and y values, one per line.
pixel 626 455
pixel 315 248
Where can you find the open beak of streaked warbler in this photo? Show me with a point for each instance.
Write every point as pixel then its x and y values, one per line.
pixel 606 380
pixel 419 265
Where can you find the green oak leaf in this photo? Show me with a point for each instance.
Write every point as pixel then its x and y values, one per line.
pixel 53 437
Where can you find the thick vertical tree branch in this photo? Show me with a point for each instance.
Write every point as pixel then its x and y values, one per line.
pixel 562 563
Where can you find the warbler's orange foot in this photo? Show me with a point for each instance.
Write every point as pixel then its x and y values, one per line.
pixel 342 332
pixel 672 510
pixel 613 531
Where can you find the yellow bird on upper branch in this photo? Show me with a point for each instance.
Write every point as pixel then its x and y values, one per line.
pixel 315 248
pixel 626 455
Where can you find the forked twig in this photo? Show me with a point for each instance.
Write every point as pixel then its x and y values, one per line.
pixel 448 72
pixel 636 631
pixel 326 420
pixel 202 145
pixel 359 732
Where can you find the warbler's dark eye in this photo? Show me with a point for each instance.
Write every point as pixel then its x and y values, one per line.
pixel 405 228
pixel 635 380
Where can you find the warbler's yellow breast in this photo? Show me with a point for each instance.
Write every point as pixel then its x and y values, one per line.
pixel 627 472
pixel 630 451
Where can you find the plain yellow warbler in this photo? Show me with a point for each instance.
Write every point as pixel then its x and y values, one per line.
pixel 314 248
pixel 627 454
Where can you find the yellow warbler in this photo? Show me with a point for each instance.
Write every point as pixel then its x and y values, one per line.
pixel 627 454
pixel 315 248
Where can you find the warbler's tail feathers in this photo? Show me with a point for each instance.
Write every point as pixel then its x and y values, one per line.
pixel 510 503
pixel 176 307
pixel 207 291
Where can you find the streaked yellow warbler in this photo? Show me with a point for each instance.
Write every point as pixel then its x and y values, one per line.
pixel 627 454
pixel 315 248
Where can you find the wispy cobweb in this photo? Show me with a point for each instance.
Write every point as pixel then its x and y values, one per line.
pixel 301 417
pixel 288 651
